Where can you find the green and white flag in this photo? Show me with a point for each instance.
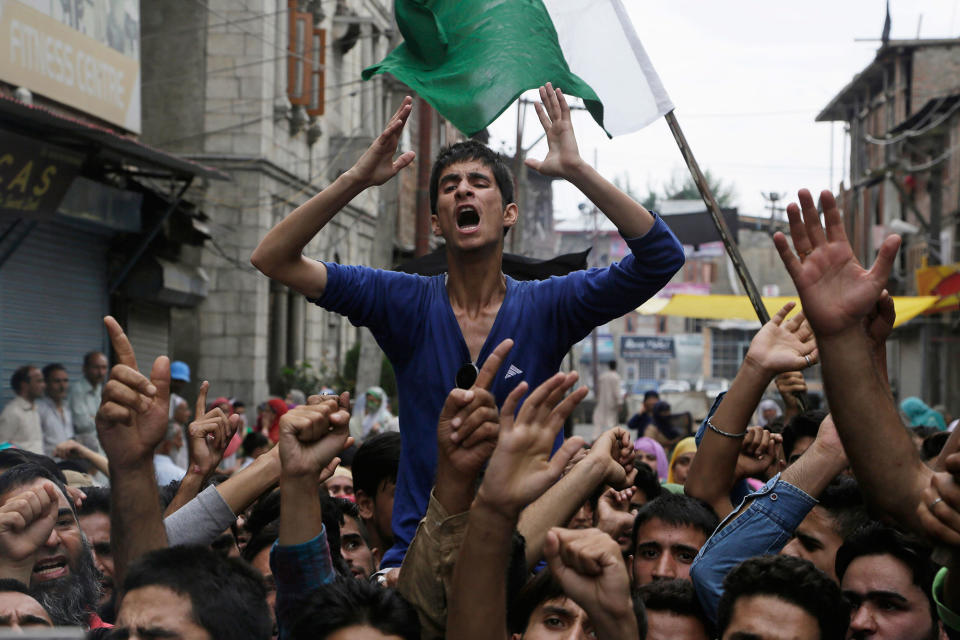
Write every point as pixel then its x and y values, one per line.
pixel 471 59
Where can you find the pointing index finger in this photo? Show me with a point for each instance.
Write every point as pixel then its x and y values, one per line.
pixel 202 400
pixel 492 364
pixel 121 344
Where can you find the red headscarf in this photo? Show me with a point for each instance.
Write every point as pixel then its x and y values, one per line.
pixel 279 407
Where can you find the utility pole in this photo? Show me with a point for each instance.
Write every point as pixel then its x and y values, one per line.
pixel 424 155
pixel 772 199
pixel 595 259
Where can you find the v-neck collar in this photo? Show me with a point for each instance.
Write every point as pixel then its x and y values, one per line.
pixel 487 346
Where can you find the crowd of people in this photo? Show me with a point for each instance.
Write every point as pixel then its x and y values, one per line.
pixel 139 517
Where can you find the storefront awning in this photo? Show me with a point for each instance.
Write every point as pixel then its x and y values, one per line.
pixel 721 307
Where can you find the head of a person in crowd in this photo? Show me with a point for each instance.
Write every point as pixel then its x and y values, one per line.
pixel 18 609
pixel 931 446
pixel 667 534
pixel 95 368
pixel 651 453
pixel 255 444
pixel 767 411
pixel 373 400
pixel 64 578
pixel 12 457
pixel 647 486
pixel 340 484
pixel 374 481
pixel 919 434
pixel 274 409
pixel 172 440
pixel 347 608
pixel 295 398
pixel 181 412
pixel 673 611
pixel 193 592
pixel 839 514
pixel 774 597
pixel 179 375
pixel 27 382
pixel 223 403
pixel 542 611
pixel 680 460
pixel 355 543
pixel 257 553
pixel 457 203
pixel 585 516
pixel 920 415
pixel 886 578
pixel 57 381
pixel 94 519
pixel 650 400
pixel 800 433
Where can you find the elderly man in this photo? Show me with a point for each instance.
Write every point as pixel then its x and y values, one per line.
pixel 84 399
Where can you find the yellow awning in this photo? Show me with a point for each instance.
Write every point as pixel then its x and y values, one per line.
pixel 720 307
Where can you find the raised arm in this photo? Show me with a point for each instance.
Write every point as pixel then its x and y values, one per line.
pixel 207 438
pixel 606 463
pixel 520 470
pixel 280 254
pixel 71 449
pixel 780 345
pixel 838 297
pixel 131 422
pixel 563 161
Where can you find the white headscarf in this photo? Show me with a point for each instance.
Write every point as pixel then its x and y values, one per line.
pixel 764 405
pixel 381 418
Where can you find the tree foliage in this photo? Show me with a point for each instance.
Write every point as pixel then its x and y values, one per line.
pixel 680 187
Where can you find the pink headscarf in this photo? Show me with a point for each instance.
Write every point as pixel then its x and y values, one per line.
pixel 649 445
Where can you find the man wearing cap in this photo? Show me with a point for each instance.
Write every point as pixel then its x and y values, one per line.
pixel 179 376
pixel 84 399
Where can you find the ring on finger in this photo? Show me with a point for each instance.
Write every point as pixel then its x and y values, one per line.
pixel 934 503
pixel 809 361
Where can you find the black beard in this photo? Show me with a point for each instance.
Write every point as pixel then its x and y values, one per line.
pixel 69 600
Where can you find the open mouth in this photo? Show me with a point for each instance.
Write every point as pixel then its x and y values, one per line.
pixel 467 217
pixel 50 568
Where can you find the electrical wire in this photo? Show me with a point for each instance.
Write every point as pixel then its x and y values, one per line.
pixel 913 133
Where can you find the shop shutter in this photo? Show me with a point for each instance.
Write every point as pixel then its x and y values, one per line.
pixel 53 296
pixel 148 327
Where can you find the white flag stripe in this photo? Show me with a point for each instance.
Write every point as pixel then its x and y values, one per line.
pixel 600 45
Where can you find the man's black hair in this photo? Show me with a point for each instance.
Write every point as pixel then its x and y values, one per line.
pixel 265 510
pixel 24 474
pixel 90 355
pixel 20 377
pixel 543 587
pixel 10 458
pixel 792 580
pixel 613 365
pixel 931 446
pixel 253 440
pixel 376 462
pixel 876 539
pixel 677 597
pixel 9 584
pixel 843 501
pixel 332 513
pixel 227 596
pixel 647 482
pixel 676 510
pixel 472 150
pixel 262 539
pixel 348 602
pixel 51 368
pixel 802 425
pixel 97 501
pixel 650 394
pixel 923 432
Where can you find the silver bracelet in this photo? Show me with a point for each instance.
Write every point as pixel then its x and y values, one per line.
pixel 713 428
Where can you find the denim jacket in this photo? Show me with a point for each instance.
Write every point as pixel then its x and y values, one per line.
pixel 764 527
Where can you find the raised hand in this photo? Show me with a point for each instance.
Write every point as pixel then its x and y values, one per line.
pixel 521 467
pixel 469 422
pixel 134 409
pixel 614 516
pixel 70 449
pixel 377 165
pixel 758 451
pixel 790 385
pixel 563 156
pixel 782 346
pixel 311 437
pixel 26 521
pixel 589 567
pixel 835 290
pixel 209 434
pixel 614 450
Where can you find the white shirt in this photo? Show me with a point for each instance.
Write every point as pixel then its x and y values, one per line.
pixel 57 424
pixel 167 472
pixel 20 425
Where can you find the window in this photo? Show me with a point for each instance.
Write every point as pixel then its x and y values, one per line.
pixel 727 351
pixel 299 65
pixel 318 56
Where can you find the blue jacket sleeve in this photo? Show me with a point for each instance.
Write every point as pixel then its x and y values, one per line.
pixel 298 570
pixel 590 298
pixel 764 527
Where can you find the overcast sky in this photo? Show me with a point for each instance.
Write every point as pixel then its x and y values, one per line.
pixel 747 78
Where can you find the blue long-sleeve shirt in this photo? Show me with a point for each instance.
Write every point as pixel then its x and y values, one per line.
pixel 298 570
pixel 765 527
pixel 412 320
